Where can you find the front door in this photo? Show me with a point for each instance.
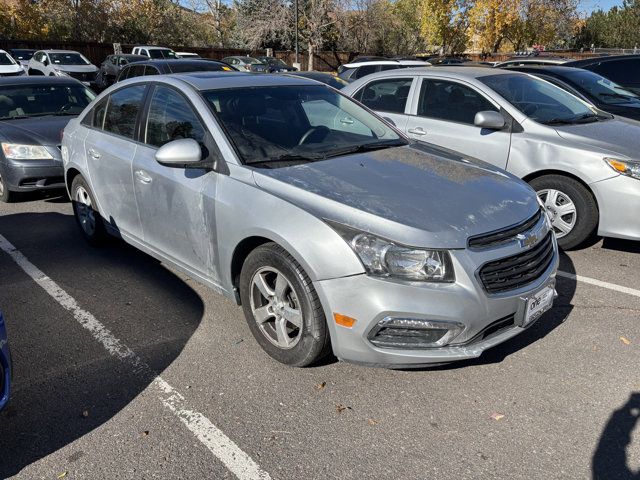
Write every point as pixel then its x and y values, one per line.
pixel 443 114
pixel 176 205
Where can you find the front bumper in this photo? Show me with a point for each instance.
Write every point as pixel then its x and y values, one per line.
pixel 619 203
pixel 31 175
pixel 488 319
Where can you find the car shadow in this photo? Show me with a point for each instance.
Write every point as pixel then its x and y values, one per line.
pixel 629 246
pixel 566 288
pixel 65 383
pixel 610 457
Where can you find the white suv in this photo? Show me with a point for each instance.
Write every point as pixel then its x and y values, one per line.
pixel 157 53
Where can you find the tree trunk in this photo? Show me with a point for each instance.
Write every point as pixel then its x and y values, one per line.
pixel 310 63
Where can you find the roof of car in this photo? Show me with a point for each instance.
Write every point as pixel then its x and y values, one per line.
pixel 451 72
pixel 178 61
pixel 152 46
pixel 558 69
pixel 219 80
pixel 38 80
pixel 538 60
pixel 610 58
pixel 128 55
pixel 59 51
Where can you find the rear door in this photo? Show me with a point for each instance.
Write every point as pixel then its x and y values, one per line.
pixel 389 97
pixel 177 217
pixel 443 113
pixel 110 148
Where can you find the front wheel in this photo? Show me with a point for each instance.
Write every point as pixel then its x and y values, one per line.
pixel 282 307
pixel 6 195
pixel 84 209
pixel 571 208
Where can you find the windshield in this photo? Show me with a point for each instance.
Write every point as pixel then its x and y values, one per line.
pixel 68 59
pixel 22 54
pixel 271 125
pixel 540 100
pixel 6 59
pixel 249 60
pixel 162 53
pixel 600 88
pixel 23 101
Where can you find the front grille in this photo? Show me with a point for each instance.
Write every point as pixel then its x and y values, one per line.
pixel 518 270
pixel 504 235
pixel 83 76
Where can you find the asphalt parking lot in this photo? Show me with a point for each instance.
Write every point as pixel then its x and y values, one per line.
pixel 92 329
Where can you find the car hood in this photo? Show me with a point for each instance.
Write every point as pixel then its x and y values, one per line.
pixel 10 68
pixel 34 131
pixel 416 195
pixel 76 68
pixel 629 110
pixel 620 135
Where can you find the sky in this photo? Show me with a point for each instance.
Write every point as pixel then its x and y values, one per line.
pixel 588 6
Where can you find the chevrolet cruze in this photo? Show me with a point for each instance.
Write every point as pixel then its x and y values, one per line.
pixel 329 227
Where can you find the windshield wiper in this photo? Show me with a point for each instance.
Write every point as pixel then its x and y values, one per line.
pixel 616 95
pixel 365 147
pixel 286 158
pixel 586 118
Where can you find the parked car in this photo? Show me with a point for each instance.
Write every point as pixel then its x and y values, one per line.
pixel 532 60
pixel 22 56
pixel 187 55
pixel 163 67
pixel 327 78
pixel 581 160
pixel 156 53
pixel 5 365
pixel 330 228
pixel 443 60
pixel 590 87
pixel 247 64
pixel 353 71
pixel 63 63
pixel 8 66
pixel 112 65
pixel 275 65
pixel 622 69
pixel 33 113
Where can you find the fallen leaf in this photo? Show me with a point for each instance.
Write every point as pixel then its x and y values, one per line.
pixel 341 408
pixel 497 416
pixel 62 475
pixel 145 433
pixel 85 413
pixel 372 421
pixel 625 340
pixel 321 385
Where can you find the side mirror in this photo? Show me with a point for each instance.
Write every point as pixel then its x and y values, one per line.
pixel 45 62
pixel 389 121
pixel 183 153
pixel 490 120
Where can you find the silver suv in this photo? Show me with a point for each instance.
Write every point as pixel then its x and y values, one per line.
pixel 330 228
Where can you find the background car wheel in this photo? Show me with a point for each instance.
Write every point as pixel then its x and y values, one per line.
pixel 87 216
pixel 282 307
pixel 571 207
pixel 6 195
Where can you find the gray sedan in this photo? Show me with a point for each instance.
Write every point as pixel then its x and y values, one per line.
pixel 583 162
pixel 329 227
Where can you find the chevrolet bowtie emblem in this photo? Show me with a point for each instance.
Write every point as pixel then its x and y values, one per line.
pixel 527 240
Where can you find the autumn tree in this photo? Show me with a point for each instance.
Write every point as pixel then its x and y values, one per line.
pixel 444 23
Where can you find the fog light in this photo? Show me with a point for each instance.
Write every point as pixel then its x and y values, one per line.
pixel 410 333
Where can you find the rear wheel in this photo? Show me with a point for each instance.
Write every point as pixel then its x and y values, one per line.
pixel 84 209
pixel 570 206
pixel 282 308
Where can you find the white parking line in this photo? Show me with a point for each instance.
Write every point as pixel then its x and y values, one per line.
pixel 600 283
pixel 222 447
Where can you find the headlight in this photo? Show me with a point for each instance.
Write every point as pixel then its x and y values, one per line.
pixel 60 73
pixel 625 167
pixel 385 258
pixel 14 151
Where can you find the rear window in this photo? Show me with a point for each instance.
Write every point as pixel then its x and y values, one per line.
pixel 161 53
pixel 204 66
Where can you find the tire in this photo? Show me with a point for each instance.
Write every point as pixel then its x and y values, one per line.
pixel 309 342
pixel 6 196
pixel 88 218
pixel 586 217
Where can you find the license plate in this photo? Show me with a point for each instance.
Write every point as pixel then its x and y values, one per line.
pixel 539 303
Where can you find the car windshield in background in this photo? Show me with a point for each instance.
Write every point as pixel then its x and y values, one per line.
pixel 601 88
pixel 249 60
pixel 162 53
pixel 23 101
pixel 6 59
pixel 540 100
pixel 274 61
pixel 22 54
pixel 277 126
pixel 204 66
pixel 68 59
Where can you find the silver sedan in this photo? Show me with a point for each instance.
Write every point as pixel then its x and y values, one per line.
pixel 330 228
pixel 584 163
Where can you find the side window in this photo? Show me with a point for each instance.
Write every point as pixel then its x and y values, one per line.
pixel 388 95
pixel 171 117
pixel 95 117
pixel 363 71
pixel 451 102
pixel 122 110
pixel 384 68
pixel 149 70
pixel 135 71
pixel 114 60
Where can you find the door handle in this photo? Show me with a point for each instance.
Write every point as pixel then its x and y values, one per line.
pixel 346 121
pixel 94 153
pixel 417 131
pixel 142 176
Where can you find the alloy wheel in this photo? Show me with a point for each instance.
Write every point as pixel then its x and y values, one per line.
pixel 85 211
pixel 560 209
pixel 276 308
